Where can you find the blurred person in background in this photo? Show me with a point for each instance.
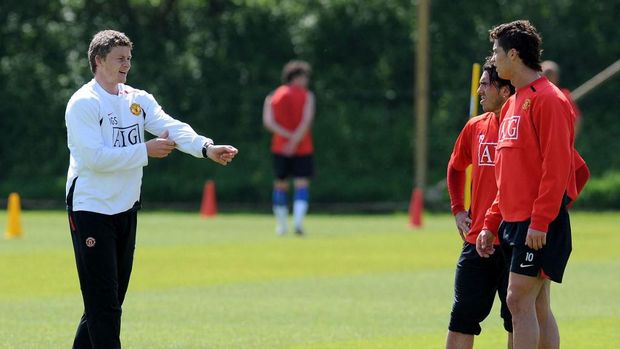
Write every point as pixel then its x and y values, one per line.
pixel 105 121
pixel 288 114
pixel 552 71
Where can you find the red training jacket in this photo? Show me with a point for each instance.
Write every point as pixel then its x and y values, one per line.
pixel 475 146
pixel 535 164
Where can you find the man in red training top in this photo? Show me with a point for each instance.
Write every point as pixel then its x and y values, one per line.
pixel 535 174
pixel 288 113
pixel 477 279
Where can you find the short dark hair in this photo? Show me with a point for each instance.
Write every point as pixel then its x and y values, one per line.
pixel 494 78
pixel 523 37
pixel 103 42
pixel 294 69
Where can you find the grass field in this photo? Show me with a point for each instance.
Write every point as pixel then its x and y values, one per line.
pixel 229 282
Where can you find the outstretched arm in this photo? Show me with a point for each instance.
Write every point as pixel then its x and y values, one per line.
pixel 180 134
pixel 222 154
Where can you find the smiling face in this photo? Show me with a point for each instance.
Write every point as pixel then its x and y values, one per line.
pixel 490 97
pixel 114 67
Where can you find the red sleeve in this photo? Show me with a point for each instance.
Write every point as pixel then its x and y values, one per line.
pixel 456 189
pixel 461 154
pixel 582 174
pixel 493 217
pixel 554 123
pixel 459 160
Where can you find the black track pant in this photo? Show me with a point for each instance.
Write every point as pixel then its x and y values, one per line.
pixel 104 247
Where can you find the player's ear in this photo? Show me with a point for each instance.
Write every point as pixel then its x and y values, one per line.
pixel 513 54
pixel 99 60
pixel 504 91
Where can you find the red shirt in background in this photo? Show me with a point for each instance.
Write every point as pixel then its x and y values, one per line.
pixel 576 109
pixel 535 164
pixel 287 103
pixel 475 146
pixel 582 174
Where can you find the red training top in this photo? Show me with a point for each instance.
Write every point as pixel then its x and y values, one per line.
pixel 534 163
pixel 287 103
pixel 475 146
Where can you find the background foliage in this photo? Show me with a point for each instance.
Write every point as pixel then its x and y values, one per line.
pixel 210 63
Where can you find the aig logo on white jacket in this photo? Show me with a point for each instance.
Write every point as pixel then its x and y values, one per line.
pixel 125 136
pixel 123 117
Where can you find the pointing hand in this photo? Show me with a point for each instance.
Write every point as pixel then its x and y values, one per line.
pixel 222 154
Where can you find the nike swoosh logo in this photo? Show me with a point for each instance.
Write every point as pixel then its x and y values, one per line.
pixel 526 265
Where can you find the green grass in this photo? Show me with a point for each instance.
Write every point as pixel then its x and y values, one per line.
pixel 229 282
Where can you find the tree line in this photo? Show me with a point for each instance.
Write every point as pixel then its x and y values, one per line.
pixel 211 63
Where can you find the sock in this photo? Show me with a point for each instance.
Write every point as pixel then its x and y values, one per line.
pixel 300 206
pixel 280 210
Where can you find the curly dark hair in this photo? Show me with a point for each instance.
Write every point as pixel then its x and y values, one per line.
pixel 494 77
pixel 523 37
pixel 294 69
pixel 103 42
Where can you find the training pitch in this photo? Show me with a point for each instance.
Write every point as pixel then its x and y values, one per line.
pixel 230 282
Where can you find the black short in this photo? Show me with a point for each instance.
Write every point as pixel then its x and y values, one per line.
pixel 476 281
pixel 295 166
pixel 550 261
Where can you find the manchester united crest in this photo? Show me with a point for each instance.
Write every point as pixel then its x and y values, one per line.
pixel 526 104
pixel 135 109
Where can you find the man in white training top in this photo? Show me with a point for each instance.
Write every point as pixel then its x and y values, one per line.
pixel 106 120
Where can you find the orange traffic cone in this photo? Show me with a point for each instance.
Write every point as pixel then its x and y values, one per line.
pixel 208 208
pixel 14 226
pixel 416 206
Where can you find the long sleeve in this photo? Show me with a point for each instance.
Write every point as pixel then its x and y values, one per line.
pixel 582 174
pixel 456 189
pixel 493 217
pixel 553 122
pixel 186 139
pixel 459 160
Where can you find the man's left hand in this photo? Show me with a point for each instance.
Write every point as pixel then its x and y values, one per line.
pixel 222 154
pixel 535 239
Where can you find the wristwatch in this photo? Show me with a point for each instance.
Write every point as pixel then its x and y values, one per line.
pixel 205 147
